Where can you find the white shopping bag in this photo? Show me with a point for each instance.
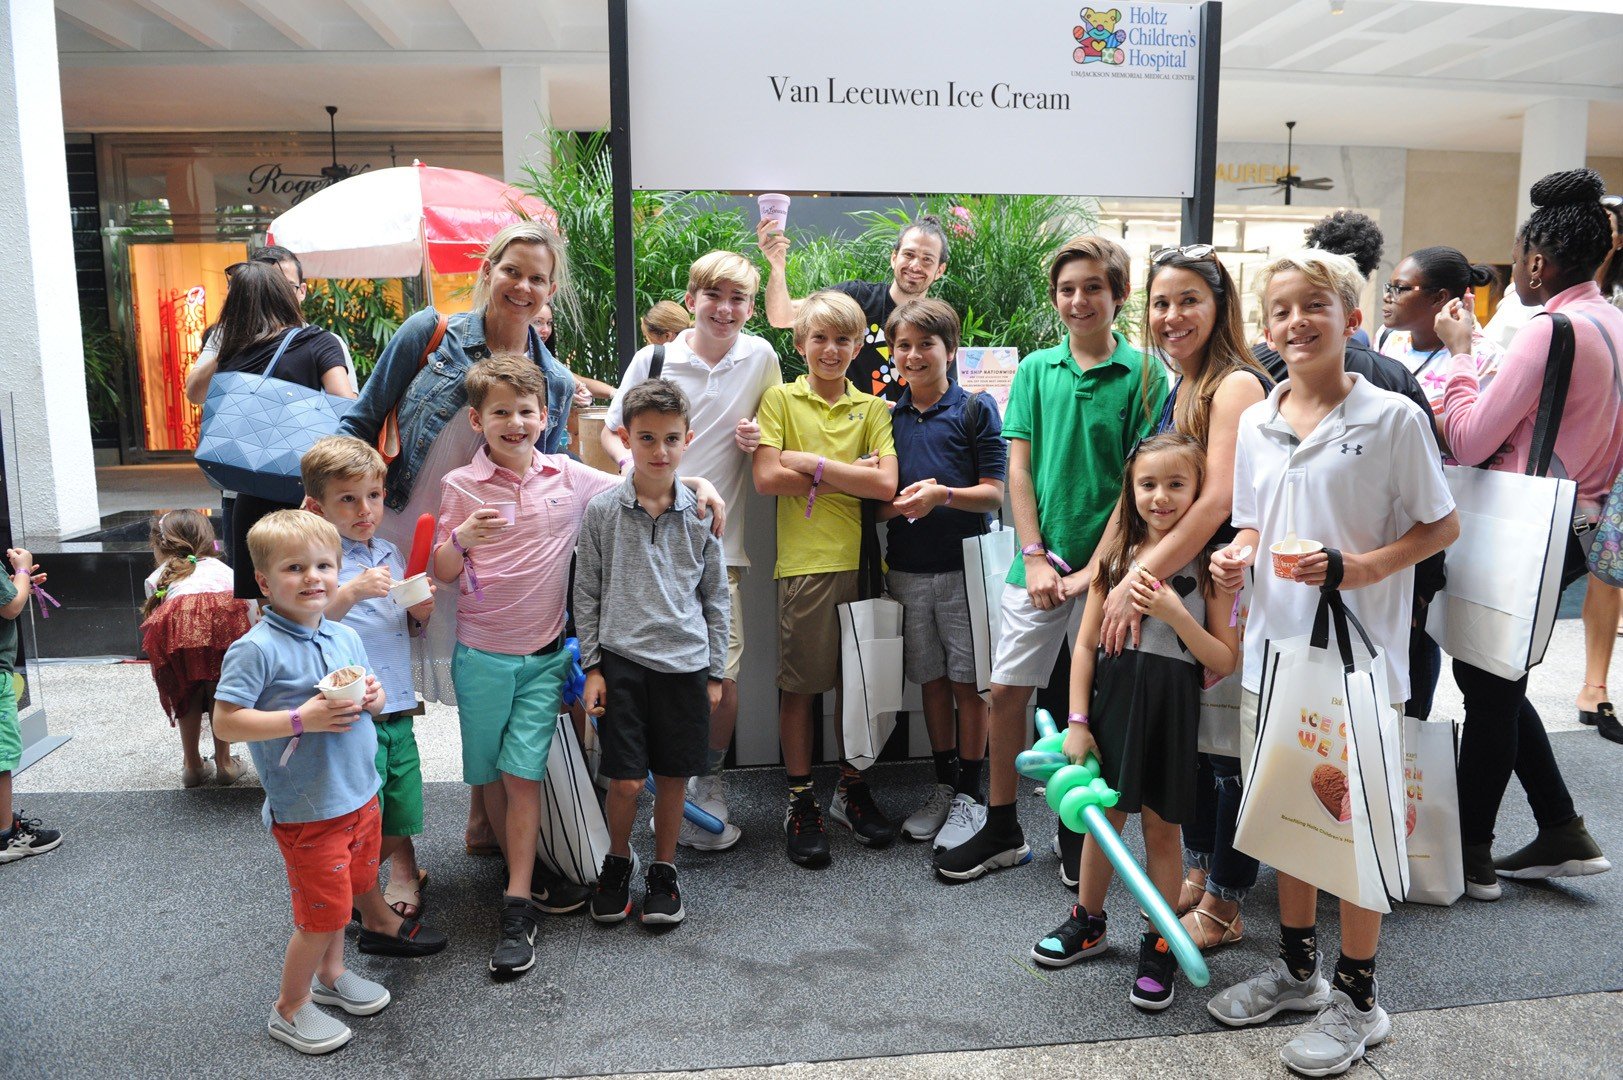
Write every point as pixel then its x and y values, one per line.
pixel 1497 609
pixel 574 837
pixel 871 678
pixel 1324 798
pixel 987 559
pixel 1431 788
pixel 1219 731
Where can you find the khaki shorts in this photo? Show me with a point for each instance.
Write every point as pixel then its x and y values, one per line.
pixel 735 625
pixel 809 630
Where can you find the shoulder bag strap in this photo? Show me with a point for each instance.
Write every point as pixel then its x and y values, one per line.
pixel 1617 374
pixel 1552 400
pixel 287 339
pixel 389 433
pixel 973 421
pixel 1380 339
pixel 656 362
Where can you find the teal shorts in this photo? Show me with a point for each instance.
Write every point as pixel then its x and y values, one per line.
pixel 400 799
pixel 11 737
pixel 508 707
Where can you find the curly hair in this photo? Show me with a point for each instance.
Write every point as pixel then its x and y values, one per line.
pixel 1349 233
pixel 1568 224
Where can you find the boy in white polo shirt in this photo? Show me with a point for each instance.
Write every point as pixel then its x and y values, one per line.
pixel 1366 482
pixel 723 371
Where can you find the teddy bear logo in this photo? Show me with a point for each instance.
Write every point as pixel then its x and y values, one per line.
pixel 1097 39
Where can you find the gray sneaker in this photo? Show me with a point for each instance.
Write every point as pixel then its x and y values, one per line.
pixel 311 1030
pixel 1267 993
pixel 1335 1038
pixel 927 820
pixel 964 819
pixel 353 994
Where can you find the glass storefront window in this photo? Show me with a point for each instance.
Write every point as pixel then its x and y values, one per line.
pixel 177 289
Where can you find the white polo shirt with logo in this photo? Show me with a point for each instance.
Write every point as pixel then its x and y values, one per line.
pixel 1364 477
pixel 719 396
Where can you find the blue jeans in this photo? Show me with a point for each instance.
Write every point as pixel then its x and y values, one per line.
pixel 1208 840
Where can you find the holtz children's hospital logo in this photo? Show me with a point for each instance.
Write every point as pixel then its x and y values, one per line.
pixel 1098 41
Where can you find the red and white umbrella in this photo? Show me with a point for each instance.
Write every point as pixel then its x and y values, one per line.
pixel 395 222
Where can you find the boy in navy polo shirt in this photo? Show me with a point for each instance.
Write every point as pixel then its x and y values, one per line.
pixel 315 758
pixel 952 462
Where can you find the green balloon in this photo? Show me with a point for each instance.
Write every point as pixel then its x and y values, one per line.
pixel 1051 744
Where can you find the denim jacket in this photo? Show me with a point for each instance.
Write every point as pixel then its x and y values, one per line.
pixel 433 398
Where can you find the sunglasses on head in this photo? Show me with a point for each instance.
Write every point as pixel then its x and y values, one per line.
pixel 1194 252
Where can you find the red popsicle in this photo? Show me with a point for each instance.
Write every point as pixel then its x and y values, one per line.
pixel 422 546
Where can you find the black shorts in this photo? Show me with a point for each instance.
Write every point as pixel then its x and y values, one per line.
pixel 653 721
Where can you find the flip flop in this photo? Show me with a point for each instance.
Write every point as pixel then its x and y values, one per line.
pixel 409 894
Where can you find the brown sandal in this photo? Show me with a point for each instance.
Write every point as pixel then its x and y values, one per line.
pixel 403 895
pixel 1233 930
pixel 1184 903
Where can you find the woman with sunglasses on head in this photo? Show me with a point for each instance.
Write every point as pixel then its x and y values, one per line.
pixel 1422 284
pixel 1557 251
pixel 1193 323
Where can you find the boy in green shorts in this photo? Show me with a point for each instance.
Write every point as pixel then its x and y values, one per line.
pixel 1074 412
pixel 19 838
pixel 343 482
pixel 825 446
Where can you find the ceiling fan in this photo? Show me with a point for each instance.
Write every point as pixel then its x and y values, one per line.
pixel 336 172
pixel 1290 180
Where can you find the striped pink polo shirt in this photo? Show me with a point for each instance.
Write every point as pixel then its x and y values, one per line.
pixel 524 573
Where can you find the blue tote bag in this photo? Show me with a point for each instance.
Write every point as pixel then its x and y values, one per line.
pixel 257 427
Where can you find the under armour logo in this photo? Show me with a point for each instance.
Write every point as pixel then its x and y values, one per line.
pixel 1348 448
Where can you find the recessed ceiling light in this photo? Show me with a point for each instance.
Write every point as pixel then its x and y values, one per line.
pixel 1338 7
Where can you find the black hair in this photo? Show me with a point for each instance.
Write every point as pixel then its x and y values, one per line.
pixel 929 225
pixel 1349 233
pixel 1568 225
pixel 278 255
pixel 1448 269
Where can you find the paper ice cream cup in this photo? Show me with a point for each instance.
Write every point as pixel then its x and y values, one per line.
pixel 509 510
pixel 774 207
pixel 410 592
pixel 1287 553
pixel 347 684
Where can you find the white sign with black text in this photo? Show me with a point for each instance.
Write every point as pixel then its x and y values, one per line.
pixel 1036 97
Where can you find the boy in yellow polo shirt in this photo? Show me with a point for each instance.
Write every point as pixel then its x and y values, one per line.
pixel 825 446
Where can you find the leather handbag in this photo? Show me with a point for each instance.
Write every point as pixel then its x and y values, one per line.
pixel 256 428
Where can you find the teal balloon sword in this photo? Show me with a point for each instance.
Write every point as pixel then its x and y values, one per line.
pixel 1077 794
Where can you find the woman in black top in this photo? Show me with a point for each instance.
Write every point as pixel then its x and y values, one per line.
pixel 261 311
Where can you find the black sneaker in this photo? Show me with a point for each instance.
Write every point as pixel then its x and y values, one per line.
pixel 1068 846
pixel 611 901
pixel 554 894
pixel 805 835
pixel 1157 967
pixel 1481 883
pixel 413 939
pixel 986 850
pixel 662 903
pixel 28 837
pixel 515 951
pixel 1564 851
pixel 854 807
pixel 1080 935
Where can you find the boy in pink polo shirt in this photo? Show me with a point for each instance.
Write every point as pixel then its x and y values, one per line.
pixel 507 527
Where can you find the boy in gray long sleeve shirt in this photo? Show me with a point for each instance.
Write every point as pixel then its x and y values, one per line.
pixel 651 611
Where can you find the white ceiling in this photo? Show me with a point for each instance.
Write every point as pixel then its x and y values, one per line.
pixel 1406 73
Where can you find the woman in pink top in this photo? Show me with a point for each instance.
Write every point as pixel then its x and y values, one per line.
pixel 1553 263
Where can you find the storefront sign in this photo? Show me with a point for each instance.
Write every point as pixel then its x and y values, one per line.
pixel 272 177
pixel 1038 97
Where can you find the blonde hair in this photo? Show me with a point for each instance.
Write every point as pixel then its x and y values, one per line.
pixel 1325 269
pixel 178 538
pixel 338 458
pixel 724 268
pixel 666 317
pixel 511 369
pixel 829 310
pixel 524 232
pixel 282 530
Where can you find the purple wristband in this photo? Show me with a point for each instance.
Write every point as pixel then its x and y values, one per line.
pixel 1077 718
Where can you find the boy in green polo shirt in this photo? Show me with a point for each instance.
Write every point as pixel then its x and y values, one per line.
pixel 825 446
pixel 1074 412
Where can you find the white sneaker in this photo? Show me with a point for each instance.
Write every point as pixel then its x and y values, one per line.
pixel 1267 993
pixel 964 819
pixel 927 820
pixel 1336 1038
pixel 691 836
pixel 709 793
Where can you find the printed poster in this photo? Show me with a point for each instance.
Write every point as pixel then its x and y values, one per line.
pixel 989 369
